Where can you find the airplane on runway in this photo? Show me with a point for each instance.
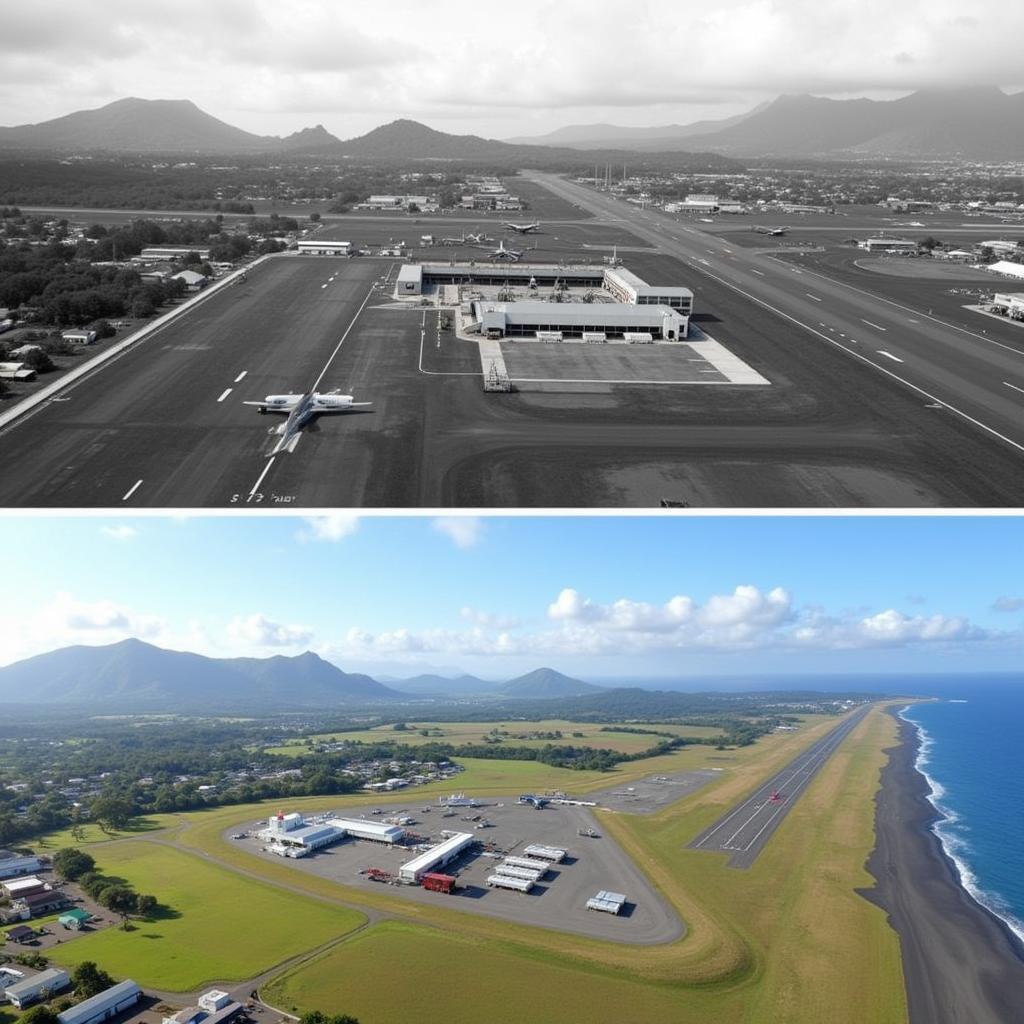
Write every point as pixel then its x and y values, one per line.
pixel 775 798
pixel 300 409
pixel 758 229
pixel 501 253
pixel 522 229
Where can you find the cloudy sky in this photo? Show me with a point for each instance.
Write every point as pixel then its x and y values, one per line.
pixel 598 597
pixel 497 69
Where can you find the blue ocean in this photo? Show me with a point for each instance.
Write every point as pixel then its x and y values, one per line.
pixel 972 754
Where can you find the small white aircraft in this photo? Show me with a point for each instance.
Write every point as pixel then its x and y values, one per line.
pixel 522 229
pixel 758 229
pixel 300 409
pixel 501 253
pixel 467 239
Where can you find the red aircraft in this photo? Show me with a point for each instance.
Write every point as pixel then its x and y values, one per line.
pixel 776 797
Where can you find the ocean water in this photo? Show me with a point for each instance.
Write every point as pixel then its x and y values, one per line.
pixel 972 754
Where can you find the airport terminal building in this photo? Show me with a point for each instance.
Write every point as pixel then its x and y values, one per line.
pixel 628 309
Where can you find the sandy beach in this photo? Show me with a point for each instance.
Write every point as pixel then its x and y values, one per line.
pixel 961 963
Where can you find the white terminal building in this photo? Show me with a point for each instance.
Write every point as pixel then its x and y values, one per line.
pixel 323 247
pixel 639 312
pixel 292 831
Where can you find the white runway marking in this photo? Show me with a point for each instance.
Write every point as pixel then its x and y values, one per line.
pixel 877 327
pixel 810 296
pixel 241 375
pixel 266 469
pixel 1014 386
pixel 131 490
pixel 225 394
pixel 760 273
pixel 889 355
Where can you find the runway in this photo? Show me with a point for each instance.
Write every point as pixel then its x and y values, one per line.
pixel 745 830
pixel 965 372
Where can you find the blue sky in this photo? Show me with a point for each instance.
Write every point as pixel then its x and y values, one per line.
pixel 598 597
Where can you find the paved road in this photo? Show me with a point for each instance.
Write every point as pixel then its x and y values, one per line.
pixel 745 830
pixel 980 379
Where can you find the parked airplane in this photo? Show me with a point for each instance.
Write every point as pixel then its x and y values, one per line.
pixel 523 229
pixel 467 239
pixel 501 253
pixel 758 229
pixel 300 409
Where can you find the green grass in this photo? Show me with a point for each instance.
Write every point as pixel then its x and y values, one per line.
pixel 92 833
pixel 220 926
pixel 474 732
pixel 383 972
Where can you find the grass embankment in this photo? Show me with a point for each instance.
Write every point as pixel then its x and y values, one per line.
pixel 218 926
pixel 788 940
pixel 458 733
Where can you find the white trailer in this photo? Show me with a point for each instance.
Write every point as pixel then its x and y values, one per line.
pixel 533 874
pixel 541 852
pixel 507 882
pixel 412 871
pixel 607 902
pixel 527 862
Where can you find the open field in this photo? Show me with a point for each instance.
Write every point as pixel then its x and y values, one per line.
pixel 514 734
pixel 763 945
pixel 92 833
pixel 218 926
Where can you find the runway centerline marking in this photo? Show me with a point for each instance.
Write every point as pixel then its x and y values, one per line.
pixel 266 469
pixel 225 394
pixel 131 490
pixel 877 327
pixel 889 355
pixel 1014 386
pixel 810 296
pixel 240 376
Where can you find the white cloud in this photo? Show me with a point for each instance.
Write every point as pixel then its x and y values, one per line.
pixel 746 619
pixel 463 531
pixel 1005 603
pixel 263 632
pixel 333 526
pixel 119 532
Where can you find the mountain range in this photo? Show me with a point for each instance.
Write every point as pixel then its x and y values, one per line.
pixel 970 123
pixel 133 675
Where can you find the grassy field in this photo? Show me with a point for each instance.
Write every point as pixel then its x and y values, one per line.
pixel 92 833
pixel 220 926
pixel 789 940
pixel 474 732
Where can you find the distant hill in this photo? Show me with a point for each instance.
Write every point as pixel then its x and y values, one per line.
pixel 662 138
pixel 972 123
pixel 133 675
pixel 429 685
pixel 153 126
pixel 544 683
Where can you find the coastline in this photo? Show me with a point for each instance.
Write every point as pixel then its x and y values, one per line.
pixel 961 962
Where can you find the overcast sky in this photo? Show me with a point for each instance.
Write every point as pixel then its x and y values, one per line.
pixel 596 597
pixel 496 69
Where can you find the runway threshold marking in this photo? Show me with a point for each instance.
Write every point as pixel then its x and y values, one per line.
pixel 225 394
pixel 1014 386
pixel 889 355
pixel 131 490
pixel 877 327
pixel 240 376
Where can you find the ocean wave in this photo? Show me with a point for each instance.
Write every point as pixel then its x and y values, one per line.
pixel 954 844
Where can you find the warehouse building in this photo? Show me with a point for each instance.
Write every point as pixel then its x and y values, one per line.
pixel 39 986
pixel 444 853
pixel 156 254
pixel 1011 303
pixel 890 245
pixel 103 1005
pixel 373 831
pixel 16 888
pixel 324 248
pixel 410 280
pixel 13 865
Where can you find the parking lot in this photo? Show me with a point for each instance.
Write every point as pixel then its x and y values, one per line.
pixel 558 901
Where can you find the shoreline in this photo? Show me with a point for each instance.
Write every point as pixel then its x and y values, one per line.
pixel 961 962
